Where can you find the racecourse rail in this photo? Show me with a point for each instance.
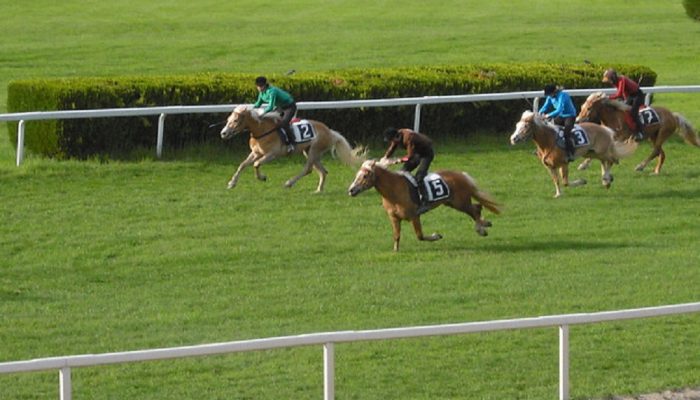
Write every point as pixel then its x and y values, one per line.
pixel 329 339
pixel 309 105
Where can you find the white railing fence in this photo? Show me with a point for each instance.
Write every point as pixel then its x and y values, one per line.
pixel 418 102
pixel 329 339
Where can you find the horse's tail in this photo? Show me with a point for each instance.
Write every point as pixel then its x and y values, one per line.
pixel 348 155
pixel 687 131
pixel 621 149
pixel 482 197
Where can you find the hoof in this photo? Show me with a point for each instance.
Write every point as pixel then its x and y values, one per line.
pixel 639 168
pixel 231 185
pixel 486 224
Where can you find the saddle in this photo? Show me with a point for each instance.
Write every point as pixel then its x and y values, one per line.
pixel 433 187
pixel 647 115
pixel 578 136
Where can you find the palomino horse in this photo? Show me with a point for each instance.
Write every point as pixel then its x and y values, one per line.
pixel 265 145
pixel 592 140
pixel 395 190
pixel 615 115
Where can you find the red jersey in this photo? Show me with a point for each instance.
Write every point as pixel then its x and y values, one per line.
pixel 626 87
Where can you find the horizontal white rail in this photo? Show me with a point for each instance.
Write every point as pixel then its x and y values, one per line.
pixel 63 364
pixel 307 105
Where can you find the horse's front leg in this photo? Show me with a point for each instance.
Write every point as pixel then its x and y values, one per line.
pixel 564 170
pixel 418 228
pixel 248 161
pixel 555 179
pixel 584 164
pixel 655 152
pixel 260 161
pixel 396 228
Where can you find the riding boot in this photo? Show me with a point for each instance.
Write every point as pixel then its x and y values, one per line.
pixel 570 150
pixel 423 206
pixel 288 139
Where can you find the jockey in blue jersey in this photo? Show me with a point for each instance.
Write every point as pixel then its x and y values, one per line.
pixel 561 110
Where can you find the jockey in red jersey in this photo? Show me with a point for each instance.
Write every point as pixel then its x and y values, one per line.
pixel 629 91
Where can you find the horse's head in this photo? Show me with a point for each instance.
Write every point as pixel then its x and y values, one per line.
pixel 236 122
pixel 590 110
pixel 364 179
pixel 523 129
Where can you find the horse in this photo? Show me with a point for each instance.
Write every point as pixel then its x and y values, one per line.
pixel 313 140
pixel 397 198
pixel 591 140
pixel 659 124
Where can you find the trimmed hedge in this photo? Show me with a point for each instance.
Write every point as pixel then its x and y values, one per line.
pixel 114 137
pixel 692 8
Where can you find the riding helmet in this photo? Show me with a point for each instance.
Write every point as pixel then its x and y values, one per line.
pixel 390 134
pixel 550 90
pixel 260 81
pixel 610 75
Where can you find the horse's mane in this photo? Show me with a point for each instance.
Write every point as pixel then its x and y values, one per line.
pixel 255 113
pixel 605 100
pixel 537 119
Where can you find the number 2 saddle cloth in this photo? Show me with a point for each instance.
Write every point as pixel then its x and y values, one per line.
pixel 303 130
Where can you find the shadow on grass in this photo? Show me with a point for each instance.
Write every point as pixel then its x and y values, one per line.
pixel 530 246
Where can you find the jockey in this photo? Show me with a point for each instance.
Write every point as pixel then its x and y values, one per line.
pixel 419 153
pixel 279 100
pixel 563 112
pixel 630 92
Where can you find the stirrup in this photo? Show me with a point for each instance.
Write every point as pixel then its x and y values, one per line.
pixel 290 148
pixel 422 209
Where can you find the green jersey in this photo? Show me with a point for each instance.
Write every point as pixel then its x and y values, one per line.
pixel 274 97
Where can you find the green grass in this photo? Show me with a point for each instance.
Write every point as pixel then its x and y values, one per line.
pixel 125 256
pixel 100 257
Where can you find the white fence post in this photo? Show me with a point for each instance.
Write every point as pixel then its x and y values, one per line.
pixel 65 385
pixel 328 371
pixel 159 144
pixel 20 142
pixel 416 119
pixel 564 362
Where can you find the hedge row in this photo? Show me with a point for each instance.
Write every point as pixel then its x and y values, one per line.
pixel 112 137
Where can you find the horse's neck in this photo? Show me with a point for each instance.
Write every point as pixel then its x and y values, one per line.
pixel 389 184
pixel 544 136
pixel 260 127
pixel 613 117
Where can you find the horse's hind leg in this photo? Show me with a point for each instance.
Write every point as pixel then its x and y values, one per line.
pixel 312 157
pixel 474 211
pixel 322 173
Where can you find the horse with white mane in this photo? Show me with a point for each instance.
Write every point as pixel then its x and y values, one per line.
pixel 590 140
pixel 314 139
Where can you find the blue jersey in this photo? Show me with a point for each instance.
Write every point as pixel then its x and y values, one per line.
pixel 560 104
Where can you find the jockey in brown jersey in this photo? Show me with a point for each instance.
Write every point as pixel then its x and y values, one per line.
pixel 419 153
